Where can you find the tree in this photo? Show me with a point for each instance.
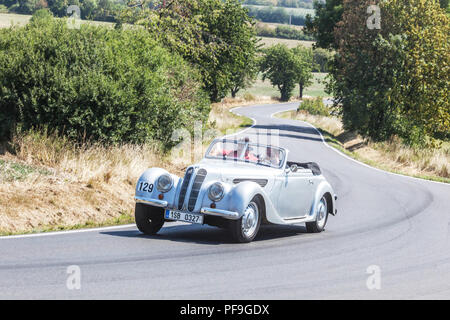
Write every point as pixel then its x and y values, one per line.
pixel 393 80
pixel 303 67
pixel 279 66
pixel 217 36
pixel 95 83
pixel 327 15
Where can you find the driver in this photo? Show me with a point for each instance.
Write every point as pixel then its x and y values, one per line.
pixel 240 147
pixel 273 156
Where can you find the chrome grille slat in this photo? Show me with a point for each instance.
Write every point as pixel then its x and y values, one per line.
pixel 184 187
pixel 196 186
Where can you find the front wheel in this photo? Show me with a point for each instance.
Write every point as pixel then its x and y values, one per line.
pixel 149 220
pixel 246 228
pixel 321 217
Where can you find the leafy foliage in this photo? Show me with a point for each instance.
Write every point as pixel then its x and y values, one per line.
pixel 322 25
pixel 303 67
pixel 394 81
pixel 94 83
pixel 285 67
pixel 216 36
pixel 314 106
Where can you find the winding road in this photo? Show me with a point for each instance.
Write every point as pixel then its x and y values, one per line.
pixel 396 225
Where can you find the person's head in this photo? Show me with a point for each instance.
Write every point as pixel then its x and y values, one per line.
pixel 242 143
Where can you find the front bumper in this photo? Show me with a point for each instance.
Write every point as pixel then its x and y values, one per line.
pixel 230 215
pixel 151 202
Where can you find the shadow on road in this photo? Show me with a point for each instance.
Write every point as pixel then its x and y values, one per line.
pixel 209 235
pixel 295 132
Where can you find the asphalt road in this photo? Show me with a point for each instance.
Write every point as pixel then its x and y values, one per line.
pixel 393 224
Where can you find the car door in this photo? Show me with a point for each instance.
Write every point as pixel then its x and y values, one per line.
pixel 295 194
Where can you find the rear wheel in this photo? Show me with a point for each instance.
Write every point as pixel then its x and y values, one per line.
pixel 245 229
pixel 321 217
pixel 149 220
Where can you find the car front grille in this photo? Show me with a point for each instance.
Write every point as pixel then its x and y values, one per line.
pixel 196 186
pixel 184 187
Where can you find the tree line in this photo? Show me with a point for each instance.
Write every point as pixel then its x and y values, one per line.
pixel 276 15
pixel 100 10
pixel 134 83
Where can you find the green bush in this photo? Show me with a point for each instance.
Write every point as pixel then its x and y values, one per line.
pixel 95 83
pixel 314 106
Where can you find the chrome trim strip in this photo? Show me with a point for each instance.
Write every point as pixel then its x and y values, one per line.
pixel 152 202
pixel 221 213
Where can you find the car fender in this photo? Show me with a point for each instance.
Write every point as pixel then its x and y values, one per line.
pixel 239 196
pixel 323 188
pixel 150 176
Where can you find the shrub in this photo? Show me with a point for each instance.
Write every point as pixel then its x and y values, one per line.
pixel 314 106
pixel 95 83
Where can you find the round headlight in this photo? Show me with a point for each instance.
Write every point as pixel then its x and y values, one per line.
pixel 165 183
pixel 215 192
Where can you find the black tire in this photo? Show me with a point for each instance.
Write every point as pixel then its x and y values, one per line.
pixel 149 220
pixel 319 224
pixel 236 227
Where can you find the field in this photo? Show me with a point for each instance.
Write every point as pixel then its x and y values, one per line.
pixel 292 11
pixel 272 25
pixel 267 42
pixel 9 19
pixel 264 88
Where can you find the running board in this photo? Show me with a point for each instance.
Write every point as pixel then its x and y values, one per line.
pixel 295 220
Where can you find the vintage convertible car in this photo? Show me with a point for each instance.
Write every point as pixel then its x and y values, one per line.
pixel 238 185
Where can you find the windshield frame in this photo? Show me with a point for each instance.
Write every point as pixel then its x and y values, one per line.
pixel 283 153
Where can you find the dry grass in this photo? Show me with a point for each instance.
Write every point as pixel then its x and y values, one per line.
pixel 50 183
pixel 390 155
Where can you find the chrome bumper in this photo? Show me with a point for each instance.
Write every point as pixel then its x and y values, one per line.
pixel 152 202
pixel 231 215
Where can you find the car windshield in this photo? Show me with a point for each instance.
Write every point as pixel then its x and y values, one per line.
pixel 246 151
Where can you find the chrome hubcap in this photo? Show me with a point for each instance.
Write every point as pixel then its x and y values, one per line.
pixel 322 213
pixel 250 220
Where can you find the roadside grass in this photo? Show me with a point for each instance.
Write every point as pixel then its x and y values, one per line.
pixel 425 163
pixel 49 183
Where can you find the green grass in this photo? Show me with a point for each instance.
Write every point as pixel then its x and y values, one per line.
pixel 15 171
pixel 264 88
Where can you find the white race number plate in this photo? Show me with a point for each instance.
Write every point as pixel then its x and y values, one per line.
pixel 183 216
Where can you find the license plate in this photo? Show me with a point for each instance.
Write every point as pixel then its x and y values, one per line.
pixel 183 216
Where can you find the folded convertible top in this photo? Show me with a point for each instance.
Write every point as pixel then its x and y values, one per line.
pixel 314 167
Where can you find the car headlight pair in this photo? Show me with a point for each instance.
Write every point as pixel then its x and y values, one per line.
pixel 164 183
pixel 216 192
